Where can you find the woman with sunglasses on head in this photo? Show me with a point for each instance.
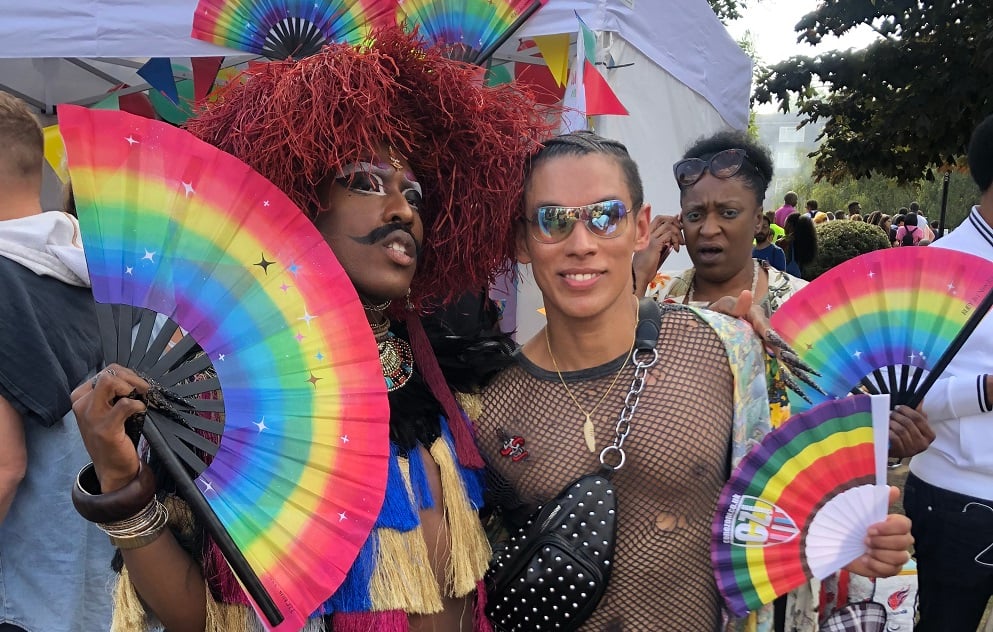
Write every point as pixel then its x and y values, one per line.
pixel 722 181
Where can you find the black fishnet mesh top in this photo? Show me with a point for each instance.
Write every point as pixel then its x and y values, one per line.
pixel 677 462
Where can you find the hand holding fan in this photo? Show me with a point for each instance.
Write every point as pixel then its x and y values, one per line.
pixel 280 29
pixel 886 322
pixel 799 504
pixel 175 230
pixel 469 30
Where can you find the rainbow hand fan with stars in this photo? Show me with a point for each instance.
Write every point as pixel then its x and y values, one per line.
pixel 280 29
pixel 468 30
pixel 286 463
pixel 886 322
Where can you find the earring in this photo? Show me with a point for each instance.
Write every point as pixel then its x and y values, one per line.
pixel 409 306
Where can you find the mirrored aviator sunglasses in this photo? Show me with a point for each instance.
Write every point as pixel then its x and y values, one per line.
pixel 552 224
pixel 723 164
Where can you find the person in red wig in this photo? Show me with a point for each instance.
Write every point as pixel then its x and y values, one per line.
pixel 409 167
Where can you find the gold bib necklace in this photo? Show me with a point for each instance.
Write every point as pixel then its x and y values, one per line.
pixel 589 430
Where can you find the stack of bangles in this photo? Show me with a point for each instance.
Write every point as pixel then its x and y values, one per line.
pixel 131 515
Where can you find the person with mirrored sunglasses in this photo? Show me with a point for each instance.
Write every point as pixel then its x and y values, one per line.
pixel 575 373
pixel 552 224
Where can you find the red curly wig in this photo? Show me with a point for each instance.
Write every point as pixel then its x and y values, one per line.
pixel 298 122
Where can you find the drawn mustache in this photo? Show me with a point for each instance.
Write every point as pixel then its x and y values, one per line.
pixel 380 233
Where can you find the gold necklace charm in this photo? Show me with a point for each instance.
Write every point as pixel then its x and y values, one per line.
pixel 589 430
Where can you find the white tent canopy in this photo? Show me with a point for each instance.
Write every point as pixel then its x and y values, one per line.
pixel 684 38
pixel 671 63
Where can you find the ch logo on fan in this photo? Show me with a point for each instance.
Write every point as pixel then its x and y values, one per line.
pixel 754 522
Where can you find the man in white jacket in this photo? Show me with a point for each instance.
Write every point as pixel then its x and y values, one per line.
pixel 949 493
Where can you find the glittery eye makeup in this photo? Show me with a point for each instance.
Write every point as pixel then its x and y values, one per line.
pixel 369 178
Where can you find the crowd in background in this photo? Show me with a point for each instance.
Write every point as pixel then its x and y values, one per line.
pixel 796 236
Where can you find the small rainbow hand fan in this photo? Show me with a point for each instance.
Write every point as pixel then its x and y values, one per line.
pixel 469 30
pixel 799 504
pixel 887 321
pixel 280 29
pixel 178 232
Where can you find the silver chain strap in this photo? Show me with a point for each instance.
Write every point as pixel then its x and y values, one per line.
pixel 643 360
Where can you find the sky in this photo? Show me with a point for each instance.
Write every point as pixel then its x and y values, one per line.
pixel 771 24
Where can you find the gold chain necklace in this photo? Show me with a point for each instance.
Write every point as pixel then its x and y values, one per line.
pixel 589 431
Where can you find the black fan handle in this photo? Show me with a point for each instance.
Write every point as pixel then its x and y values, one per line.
pixel 192 495
pixel 946 357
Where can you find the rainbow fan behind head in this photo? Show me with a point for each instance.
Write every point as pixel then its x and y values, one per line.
pixel 883 320
pixel 280 29
pixel 176 226
pixel 470 30
pixel 799 504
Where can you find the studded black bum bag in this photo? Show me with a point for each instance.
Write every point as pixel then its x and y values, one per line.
pixel 554 570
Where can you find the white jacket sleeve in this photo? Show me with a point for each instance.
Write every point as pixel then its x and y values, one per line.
pixel 956 397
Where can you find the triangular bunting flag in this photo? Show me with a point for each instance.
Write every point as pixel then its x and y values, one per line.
pixel 109 102
pixel 205 71
pixel 555 51
pixel 600 97
pixel 573 107
pixel 55 152
pixel 158 73
pixel 137 103
pixel 498 75
pixel 595 94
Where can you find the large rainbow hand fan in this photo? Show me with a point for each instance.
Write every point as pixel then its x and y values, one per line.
pixel 280 29
pixel 799 504
pixel 887 321
pixel 179 232
pixel 469 30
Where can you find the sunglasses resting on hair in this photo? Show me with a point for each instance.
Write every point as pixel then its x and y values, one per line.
pixel 723 164
pixel 552 224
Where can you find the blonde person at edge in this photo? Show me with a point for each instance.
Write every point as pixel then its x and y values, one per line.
pixel 706 388
pixel 54 570
pixel 405 180
pixel 719 216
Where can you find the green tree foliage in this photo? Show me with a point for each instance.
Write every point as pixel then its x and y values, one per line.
pixel 905 105
pixel 839 241
pixel 728 10
pixel 887 195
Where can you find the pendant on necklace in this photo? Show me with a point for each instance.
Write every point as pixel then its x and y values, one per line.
pixel 589 433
